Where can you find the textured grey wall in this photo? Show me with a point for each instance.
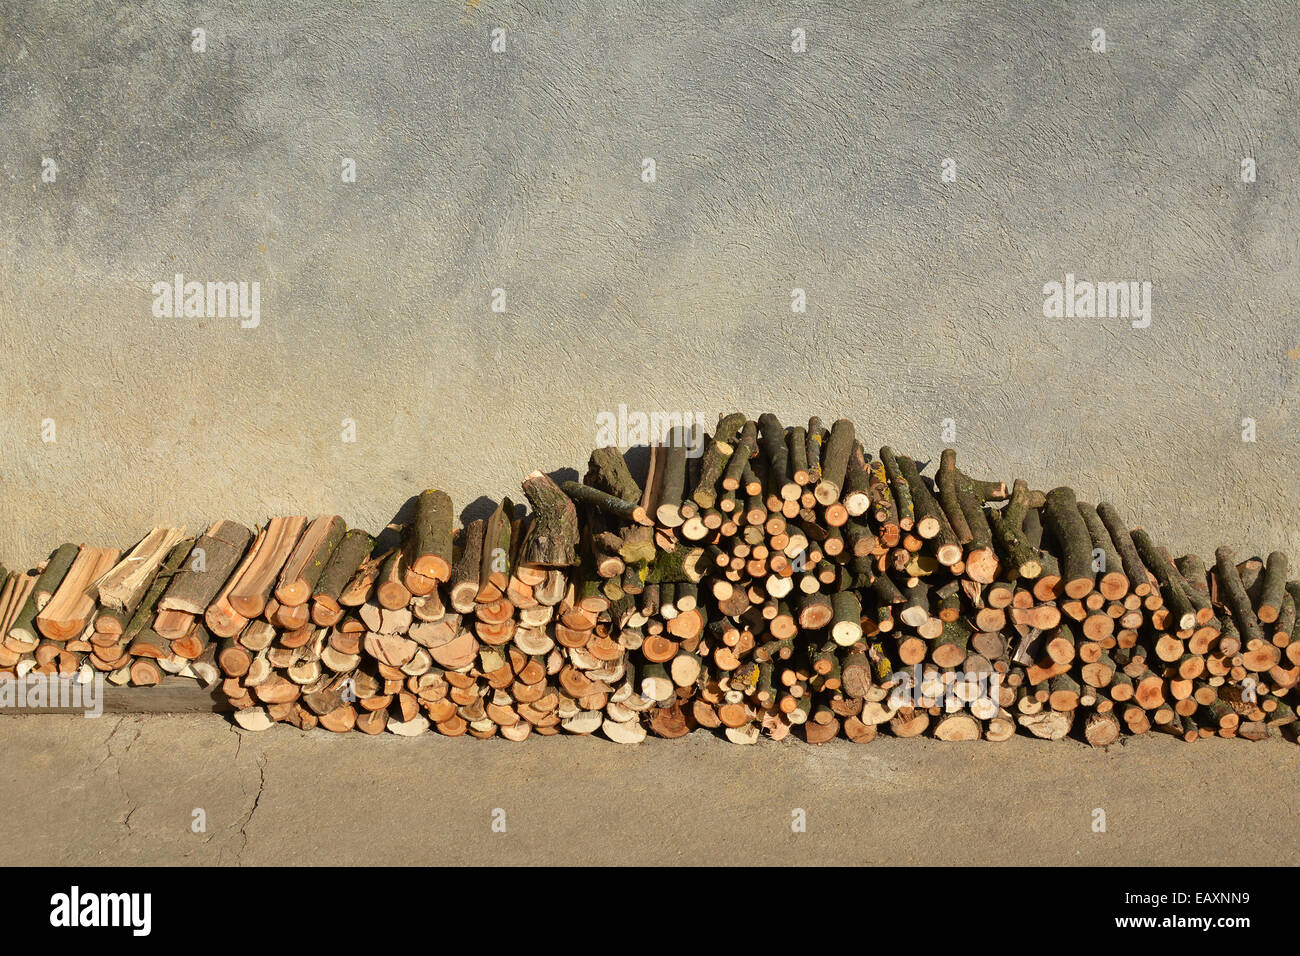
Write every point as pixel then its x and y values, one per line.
pixel 521 170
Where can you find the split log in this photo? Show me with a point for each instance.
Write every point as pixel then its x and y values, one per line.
pixel 24 629
pixel 464 581
pixel 73 603
pixel 250 592
pixel 215 555
pixel 339 570
pixel 122 588
pixel 1047 724
pixel 307 562
pixel 497 553
pixel 391 591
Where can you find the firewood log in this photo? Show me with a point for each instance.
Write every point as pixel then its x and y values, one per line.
pixel 221 616
pixel 24 629
pixel 1101 729
pixel 1272 588
pixel 428 543
pixel 195 586
pixel 18 589
pixel 257 578
pixel 307 561
pixel 122 588
pixel 1135 571
pixel 69 610
pixel 254 719
pixel 1171 588
pixel 776 459
pixel 1112 582
pixel 958 726
pixel 1071 533
pixel 1048 724
pixel 342 566
pixel 553 534
pixel 836 454
pixel 607 470
pixel 391 591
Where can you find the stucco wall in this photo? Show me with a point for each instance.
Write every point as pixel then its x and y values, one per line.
pixel 522 170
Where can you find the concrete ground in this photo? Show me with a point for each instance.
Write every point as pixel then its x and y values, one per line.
pixel 125 790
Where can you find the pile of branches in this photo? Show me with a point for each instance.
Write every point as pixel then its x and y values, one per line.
pixel 765 581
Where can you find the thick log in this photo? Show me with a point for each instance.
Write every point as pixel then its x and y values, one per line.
pixel 672 487
pixel 498 553
pixel 553 535
pixel 464 584
pixel 1071 533
pixel 846 629
pixel 1112 582
pixel 1047 724
pixel 428 541
pixel 958 726
pixel 215 556
pixel 1101 729
pixel 776 455
pixel 607 470
pixel 856 495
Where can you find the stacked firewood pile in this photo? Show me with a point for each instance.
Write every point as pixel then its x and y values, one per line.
pixel 782 579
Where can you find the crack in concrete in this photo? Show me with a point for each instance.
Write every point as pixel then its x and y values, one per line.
pixel 116 756
pixel 108 742
pixel 257 798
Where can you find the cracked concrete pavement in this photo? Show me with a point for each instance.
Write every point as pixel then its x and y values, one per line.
pixel 125 790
